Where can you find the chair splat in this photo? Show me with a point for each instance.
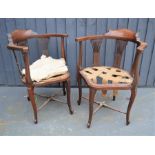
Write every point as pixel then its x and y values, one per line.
pixel 120 48
pixel 96 45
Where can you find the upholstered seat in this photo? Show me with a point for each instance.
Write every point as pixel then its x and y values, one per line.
pixel 46 67
pixel 54 79
pixel 106 75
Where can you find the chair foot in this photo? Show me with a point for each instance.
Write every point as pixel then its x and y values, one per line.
pixel 114 98
pixel 64 93
pixel 28 98
pixel 71 112
pixel 79 102
pixel 88 125
pixel 127 122
pixel 35 121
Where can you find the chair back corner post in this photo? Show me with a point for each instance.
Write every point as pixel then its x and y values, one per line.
pixel 136 63
pixel 63 53
pixel 79 62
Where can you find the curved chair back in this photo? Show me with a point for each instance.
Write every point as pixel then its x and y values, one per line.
pixel 19 41
pixel 121 38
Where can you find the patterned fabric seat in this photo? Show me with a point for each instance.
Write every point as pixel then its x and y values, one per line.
pixel 106 75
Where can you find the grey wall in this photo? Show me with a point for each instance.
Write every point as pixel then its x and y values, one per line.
pixel 80 27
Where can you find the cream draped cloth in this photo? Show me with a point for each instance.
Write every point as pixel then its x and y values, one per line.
pixel 46 67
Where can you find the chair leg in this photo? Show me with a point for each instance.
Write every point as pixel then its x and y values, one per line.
pixel 79 79
pixel 132 98
pixel 114 98
pixel 68 96
pixel 28 98
pixel 64 89
pixel 33 103
pixel 92 93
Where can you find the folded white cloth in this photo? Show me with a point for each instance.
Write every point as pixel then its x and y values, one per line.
pixel 46 67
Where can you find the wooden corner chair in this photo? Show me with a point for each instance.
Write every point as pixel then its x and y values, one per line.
pixel 18 41
pixel 106 78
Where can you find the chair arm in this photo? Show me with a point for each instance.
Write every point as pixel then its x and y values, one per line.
pixel 142 46
pixel 24 51
pixel 48 35
pixel 19 48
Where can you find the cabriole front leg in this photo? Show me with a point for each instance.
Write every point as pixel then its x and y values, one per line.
pixel 68 96
pixel 92 93
pixel 33 103
pixel 132 98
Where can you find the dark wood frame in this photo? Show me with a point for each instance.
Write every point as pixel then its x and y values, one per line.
pixel 122 35
pixel 18 42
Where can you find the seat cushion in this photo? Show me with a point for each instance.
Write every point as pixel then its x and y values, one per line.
pixel 46 67
pixel 51 80
pixel 106 75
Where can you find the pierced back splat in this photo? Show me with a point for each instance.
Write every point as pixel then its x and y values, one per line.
pixel 96 45
pixel 120 47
